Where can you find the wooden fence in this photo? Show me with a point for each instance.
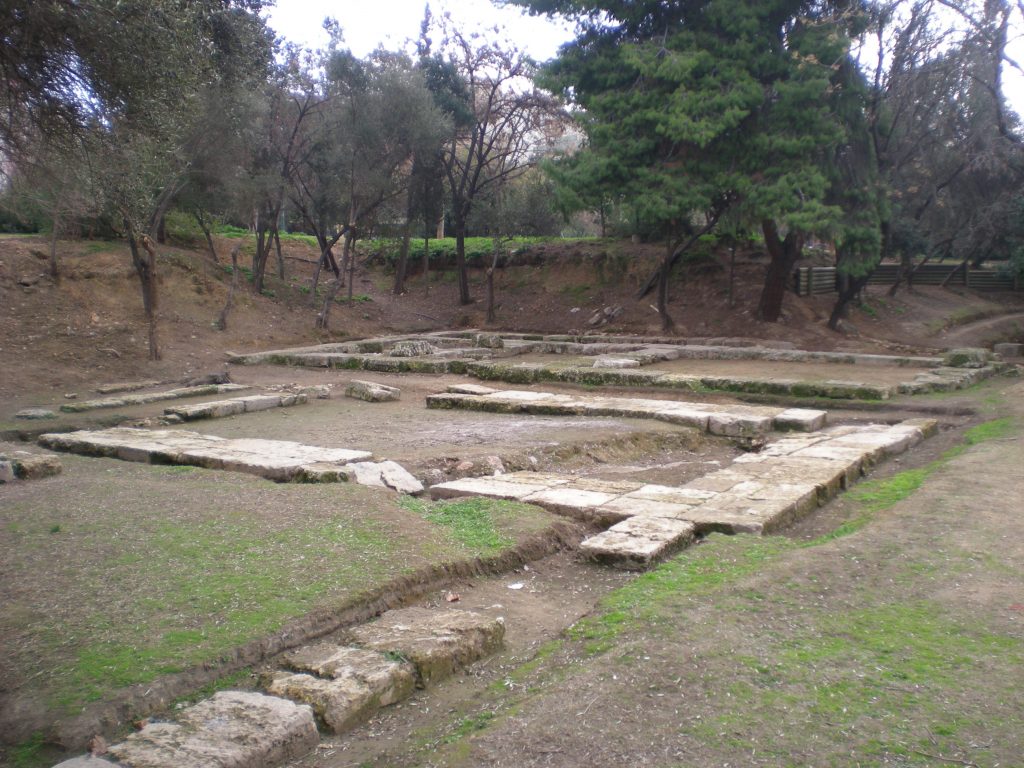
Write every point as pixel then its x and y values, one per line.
pixel 817 280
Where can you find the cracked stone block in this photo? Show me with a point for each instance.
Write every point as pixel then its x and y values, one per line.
pixel 372 392
pixel 437 642
pixel 626 506
pixel 232 729
pixel 489 341
pixel 389 679
pixel 340 703
pixel 397 477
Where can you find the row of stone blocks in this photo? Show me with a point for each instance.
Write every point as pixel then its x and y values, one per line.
pixel 759 493
pixel 335 686
pixel 277 460
pixel 725 420
pixel 151 397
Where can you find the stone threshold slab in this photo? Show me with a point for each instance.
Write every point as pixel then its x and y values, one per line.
pixel 725 420
pixel 758 493
pixel 151 397
pixel 277 460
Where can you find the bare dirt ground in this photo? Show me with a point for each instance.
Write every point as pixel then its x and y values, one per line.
pixel 897 644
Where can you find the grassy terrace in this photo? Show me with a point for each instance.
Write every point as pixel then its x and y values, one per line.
pixel 114 573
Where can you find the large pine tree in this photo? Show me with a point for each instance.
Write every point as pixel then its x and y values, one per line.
pixel 694 107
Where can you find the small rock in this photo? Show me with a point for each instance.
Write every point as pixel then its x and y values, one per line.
pixel 70 395
pixel 6 472
pixel 847 328
pixel 434 477
pixel 222 377
pixel 319 391
pixel 35 413
pixel 463 469
pixel 495 465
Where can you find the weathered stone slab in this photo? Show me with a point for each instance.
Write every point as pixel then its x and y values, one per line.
pixel 493 487
pixel 340 704
pixel 28 466
pixel 384 474
pixel 152 397
pixel 616 362
pixel 638 542
pixel 389 679
pixel 278 460
pixel 125 386
pixel 372 392
pixel 437 642
pixel 470 389
pixel 966 357
pixel 573 503
pixel 221 408
pixel 35 414
pixel 800 419
pixel 412 348
pixel 85 761
pixel 232 729
pixel 739 421
pixel 1009 349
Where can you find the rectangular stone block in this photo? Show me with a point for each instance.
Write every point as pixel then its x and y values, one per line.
pixel 800 419
pixel 583 505
pixel 637 543
pixel 232 729
pixel 492 487
pixel 437 642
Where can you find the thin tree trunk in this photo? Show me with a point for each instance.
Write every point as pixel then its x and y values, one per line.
pixel 54 267
pixel 323 319
pixel 490 281
pixel 784 254
pixel 426 266
pixel 351 268
pixel 145 267
pixel 161 230
pixel 403 259
pixel 280 256
pixel 732 275
pixel 222 320
pixel 664 273
pixel 460 261
pixel 201 220
pixel 961 266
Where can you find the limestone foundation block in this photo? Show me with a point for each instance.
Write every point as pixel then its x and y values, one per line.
pixel 232 729
pixel 437 642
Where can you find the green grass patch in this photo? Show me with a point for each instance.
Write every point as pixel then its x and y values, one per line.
pixel 469 725
pixel 722 561
pixel 471 522
pixel 875 496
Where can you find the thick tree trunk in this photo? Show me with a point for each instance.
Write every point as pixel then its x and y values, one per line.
pixel 161 230
pixel 849 287
pixel 259 259
pixel 490 282
pixel 784 255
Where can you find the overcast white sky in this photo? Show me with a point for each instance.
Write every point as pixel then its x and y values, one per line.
pixel 369 23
